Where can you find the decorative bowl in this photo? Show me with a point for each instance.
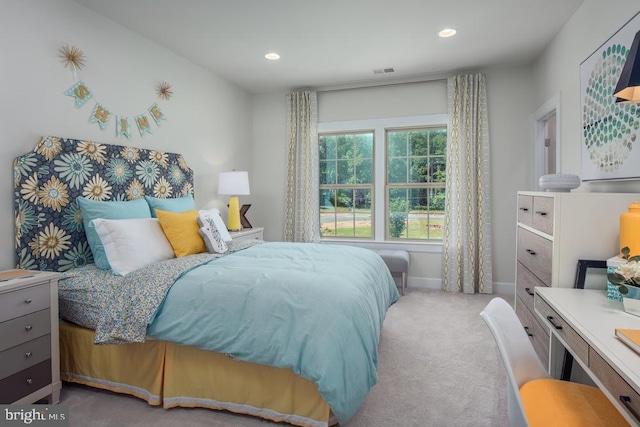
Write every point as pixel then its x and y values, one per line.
pixel 559 182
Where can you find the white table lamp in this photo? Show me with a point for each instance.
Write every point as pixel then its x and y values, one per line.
pixel 233 184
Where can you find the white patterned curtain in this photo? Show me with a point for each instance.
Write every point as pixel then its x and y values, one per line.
pixel 466 258
pixel 302 210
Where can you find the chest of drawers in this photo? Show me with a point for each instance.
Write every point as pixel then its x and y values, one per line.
pixel 29 358
pixel 554 231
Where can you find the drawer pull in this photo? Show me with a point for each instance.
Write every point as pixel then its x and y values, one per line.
pixel 542 213
pixel 28 327
pixel 550 319
pixel 528 290
pixel 524 209
pixel 28 301
pixel 28 354
pixel 526 329
pixel 531 252
pixel 29 381
pixel 626 402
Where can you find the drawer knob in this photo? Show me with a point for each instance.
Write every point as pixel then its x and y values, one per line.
pixel 28 327
pixel 29 381
pixel 626 402
pixel 542 213
pixel 528 290
pixel 531 252
pixel 524 209
pixel 550 319
pixel 28 301
pixel 28 354
pixel 526 329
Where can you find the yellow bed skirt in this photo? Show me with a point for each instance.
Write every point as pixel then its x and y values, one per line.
pixel 173 375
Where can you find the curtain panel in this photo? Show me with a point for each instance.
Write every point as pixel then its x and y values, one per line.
pixel 302 212
pixel 466 258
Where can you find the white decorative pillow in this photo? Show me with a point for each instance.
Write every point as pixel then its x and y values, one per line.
pixel 131 244
pixel 215 216
pixel 211 236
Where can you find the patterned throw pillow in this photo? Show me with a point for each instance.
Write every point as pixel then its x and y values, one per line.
pixel 211 236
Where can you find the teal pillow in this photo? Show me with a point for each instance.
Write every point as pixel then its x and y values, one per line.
pixel 178 204
pixel 92 209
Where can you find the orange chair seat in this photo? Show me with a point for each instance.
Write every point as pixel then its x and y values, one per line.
pixel 550 402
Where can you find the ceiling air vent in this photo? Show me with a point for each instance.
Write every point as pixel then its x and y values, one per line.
pixel 383 70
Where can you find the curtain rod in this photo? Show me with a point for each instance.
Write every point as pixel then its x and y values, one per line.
pixel 368 85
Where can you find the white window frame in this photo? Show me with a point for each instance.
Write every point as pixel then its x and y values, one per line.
pixel 379 127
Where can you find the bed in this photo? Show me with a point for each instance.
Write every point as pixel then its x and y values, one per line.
pixel 283 331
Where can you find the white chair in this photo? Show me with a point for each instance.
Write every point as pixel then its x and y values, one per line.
pixel 534 398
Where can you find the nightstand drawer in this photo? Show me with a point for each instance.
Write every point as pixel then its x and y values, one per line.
pixel 525 209
pixel 24 355
pixel 534 252
pixel 526 283
pixel 24 301
pixel 543 214
pixel 25 328
pixel 25 382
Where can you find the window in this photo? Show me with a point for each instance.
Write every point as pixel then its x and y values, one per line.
pixel 384 179
pixel 346 184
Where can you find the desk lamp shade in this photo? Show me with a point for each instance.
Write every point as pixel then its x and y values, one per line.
pixel 233 184
pixel 628 87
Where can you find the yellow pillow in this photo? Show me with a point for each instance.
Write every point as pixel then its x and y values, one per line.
pixel 181 229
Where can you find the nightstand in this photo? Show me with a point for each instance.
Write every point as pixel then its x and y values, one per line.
pixel 29 356
pixel 248 234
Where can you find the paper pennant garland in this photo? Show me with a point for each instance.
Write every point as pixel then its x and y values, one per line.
pixel 143 124
pixel 80 92
pixel 123 128
pixel 100 115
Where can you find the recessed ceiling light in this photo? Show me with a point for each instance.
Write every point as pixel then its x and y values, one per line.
pixel 272 56
pixel 447 32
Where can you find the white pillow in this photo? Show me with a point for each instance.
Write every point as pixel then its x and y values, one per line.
pixel 131 244
pixel 215 216
pixel 211 236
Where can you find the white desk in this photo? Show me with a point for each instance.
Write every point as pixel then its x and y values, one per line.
pixel 588 321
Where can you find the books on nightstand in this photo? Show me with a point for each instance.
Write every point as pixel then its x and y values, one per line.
pixel 630 337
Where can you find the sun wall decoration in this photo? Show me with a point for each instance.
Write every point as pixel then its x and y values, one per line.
pixel 74 59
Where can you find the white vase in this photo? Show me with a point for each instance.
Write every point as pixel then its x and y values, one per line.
pixel 631 305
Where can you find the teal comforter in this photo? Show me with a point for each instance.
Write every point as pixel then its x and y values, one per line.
pixel 317 309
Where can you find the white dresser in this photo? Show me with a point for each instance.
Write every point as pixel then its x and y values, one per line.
pixel 554 231
pixel 29 357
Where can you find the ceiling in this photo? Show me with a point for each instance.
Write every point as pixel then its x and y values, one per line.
pixel 336 42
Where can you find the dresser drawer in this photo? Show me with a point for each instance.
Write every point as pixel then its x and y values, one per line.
pixel 534 252
pixel 24 301
pixel 526 282
pixel 525 209
pixel 543 214
pixel 25 328
pixel 557 323
pixel 613 381
pixel 24 355
pixel 538 334
pixel 25 382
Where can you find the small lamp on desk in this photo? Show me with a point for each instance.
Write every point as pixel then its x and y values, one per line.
pixel 233 184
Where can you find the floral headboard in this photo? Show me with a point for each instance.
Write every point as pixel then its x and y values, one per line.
pixel 47 181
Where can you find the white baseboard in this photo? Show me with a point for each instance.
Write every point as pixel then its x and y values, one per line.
pixel 433 283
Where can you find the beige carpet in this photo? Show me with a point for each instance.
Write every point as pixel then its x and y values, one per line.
pixel 438 367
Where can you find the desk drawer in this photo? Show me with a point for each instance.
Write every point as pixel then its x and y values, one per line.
pixel 24 355
pixel 538 334
pixel 616 385
pixel 525 210
pixel 543 214
pixel 557 324
pixel 534 252
pixel 526 282
pixel 24 301
pixel 25 328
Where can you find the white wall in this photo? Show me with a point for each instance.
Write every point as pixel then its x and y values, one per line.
pixel 558 71
pixel 206 117
pixel 510 104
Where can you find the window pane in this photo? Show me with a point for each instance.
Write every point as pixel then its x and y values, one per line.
pixel 327 172
pixel 327 147
pixel 438 169
pixel 364 171
pixel 397 170
pixel 418 141
pixel 436 213
pixel 327 213
pixel 364 146
pixel 345 146
pixel 397 224
pixel 397 144
pixel 419 170
pixel 438 142
pixel 345 172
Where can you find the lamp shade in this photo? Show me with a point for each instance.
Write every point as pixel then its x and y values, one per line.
pixel 234 183
pixel 628 87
